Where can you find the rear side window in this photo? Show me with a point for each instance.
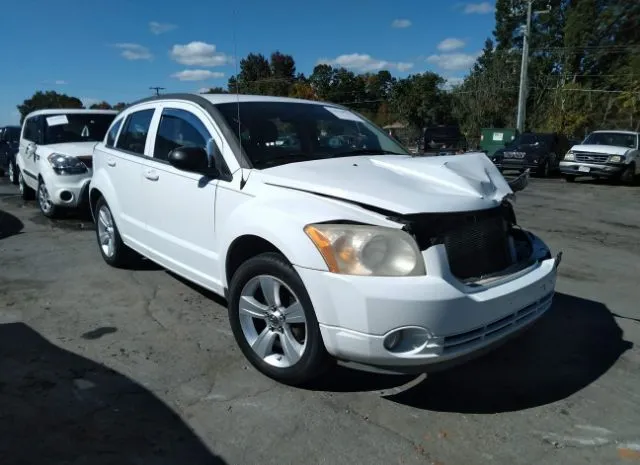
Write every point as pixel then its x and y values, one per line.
pixel 134 134
pixel 179 128
pixel 113 132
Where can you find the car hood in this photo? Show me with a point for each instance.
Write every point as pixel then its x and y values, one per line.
pixel 74 149
pixel 604 149
pixel 397 183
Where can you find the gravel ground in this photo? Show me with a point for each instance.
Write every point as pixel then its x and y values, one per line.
pixel 104 366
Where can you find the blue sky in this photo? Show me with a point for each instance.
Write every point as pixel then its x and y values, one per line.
pixel 114 50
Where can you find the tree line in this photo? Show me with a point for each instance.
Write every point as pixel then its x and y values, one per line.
pixel 584 74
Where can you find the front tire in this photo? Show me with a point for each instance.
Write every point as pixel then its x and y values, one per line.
pixel 47 208
pixel 628 177
pixel 544 170
pixel 112 249
pixel 25 191
pixel 273 321
pixel 570 178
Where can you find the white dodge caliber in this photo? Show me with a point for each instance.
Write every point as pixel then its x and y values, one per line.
pixel 327 238
pixel 54 158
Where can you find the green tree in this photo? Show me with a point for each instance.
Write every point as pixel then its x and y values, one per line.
pixel 283 74
pixel 419 100
pixel 48 99
pixel 216 90
pixel 120 106
pixel 101 106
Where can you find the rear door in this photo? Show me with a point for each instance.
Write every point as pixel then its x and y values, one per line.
pixel 124 152
pixel 181 205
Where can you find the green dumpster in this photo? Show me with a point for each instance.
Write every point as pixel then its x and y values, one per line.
pixel 492 139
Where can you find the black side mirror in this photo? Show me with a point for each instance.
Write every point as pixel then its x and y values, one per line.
pixel 193 159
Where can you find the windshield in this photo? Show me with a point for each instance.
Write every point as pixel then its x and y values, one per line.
pixel 275 133
pixel 612 138
pixel 78 127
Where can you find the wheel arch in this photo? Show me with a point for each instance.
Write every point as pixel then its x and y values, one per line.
pixel 244 248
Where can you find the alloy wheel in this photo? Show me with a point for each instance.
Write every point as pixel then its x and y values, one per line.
pixel 273 321
pixel 44 200
pixel 106 231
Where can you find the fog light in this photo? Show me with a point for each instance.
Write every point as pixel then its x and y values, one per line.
pixel 66 196
pixel 392 340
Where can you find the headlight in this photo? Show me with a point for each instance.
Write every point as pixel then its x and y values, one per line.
pixel 570 156
pixel 65 164
pixel 616 159
pixel 367 250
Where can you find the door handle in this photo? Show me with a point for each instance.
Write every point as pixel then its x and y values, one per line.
pixel 151 175
pixel 111 161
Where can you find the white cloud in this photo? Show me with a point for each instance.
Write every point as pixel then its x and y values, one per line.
pixel 481 8
pixel 365 63
pixel 447 45
pixel 401 23
pixel 160 28
pixel 198 54
pixel 134 51
pixel 88 101
pixel 60 82
pixel 453 61
pixel 451 82
pixel 196 75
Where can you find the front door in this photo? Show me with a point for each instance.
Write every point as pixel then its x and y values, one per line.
pixel 180 205
pixel 31 133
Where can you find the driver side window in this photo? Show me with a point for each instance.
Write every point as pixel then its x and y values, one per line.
pixel 179 128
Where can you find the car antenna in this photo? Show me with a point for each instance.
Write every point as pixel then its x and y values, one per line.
pixel 235 52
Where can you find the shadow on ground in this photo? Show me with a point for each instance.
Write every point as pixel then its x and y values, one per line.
pixel 59 408
pixel 570 347
pixel 9 225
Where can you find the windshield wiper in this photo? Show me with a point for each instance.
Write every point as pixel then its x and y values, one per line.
pixel 355 152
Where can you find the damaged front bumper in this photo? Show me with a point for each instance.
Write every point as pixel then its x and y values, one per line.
pixel 426 323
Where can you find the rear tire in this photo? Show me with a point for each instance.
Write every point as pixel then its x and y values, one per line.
pixel 25 191
pixel 281 343
pixel 110 244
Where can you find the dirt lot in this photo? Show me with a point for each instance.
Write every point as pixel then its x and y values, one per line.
pixel 104 366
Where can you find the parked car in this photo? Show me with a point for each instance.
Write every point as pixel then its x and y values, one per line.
pixel 9 141
pixel 604 154
pixel 369 255
pixel 55 156
pixel 444 140
pixel 540 152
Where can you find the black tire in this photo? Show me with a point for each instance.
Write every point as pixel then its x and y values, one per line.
pixel 628 177
pixel 25 191
pixel 314 360
pixel 569 178
pixel 544 169
pixel 1 172
pixel 49 210
pixel 122 255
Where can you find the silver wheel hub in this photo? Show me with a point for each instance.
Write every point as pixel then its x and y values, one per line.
pixel 106 232
pixel 43 198
pixel 273 321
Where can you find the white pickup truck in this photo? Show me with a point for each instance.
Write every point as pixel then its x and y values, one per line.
pixel 54 158
pixel 336 245
pixel 604 154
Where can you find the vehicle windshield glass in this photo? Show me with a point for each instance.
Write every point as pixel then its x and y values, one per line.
pixel 276 133
pixel 525 139
pixel 76 127
pixel 612 138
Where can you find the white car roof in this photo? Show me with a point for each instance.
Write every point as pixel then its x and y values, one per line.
pixel 71 111
pixel 232 98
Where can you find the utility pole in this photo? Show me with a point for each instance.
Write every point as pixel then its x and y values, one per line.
pixel 522 96
pixel 157 89
pixel 524 88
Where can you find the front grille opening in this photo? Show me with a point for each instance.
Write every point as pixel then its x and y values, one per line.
pixel 477 243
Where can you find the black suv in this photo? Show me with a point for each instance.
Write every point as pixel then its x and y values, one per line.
pixel 541 152
pixel 9 143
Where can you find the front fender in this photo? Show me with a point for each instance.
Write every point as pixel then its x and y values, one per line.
pixel 279 218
